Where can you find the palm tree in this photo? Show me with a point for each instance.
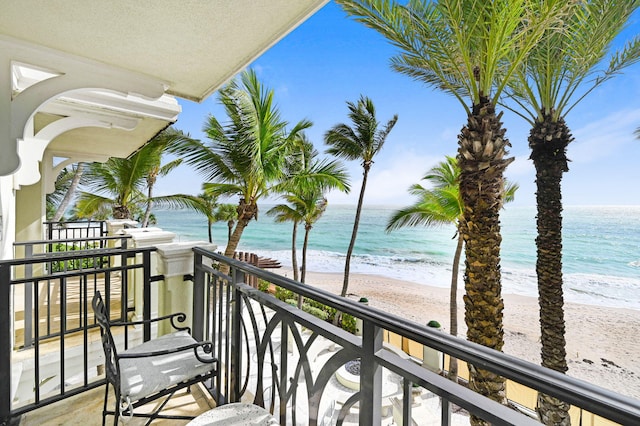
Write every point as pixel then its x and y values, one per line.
pixel 361 142
pixel 67 183
pixel 244 157
pixel 226 213
pixel 119 184
pixel 204 204
pixel 308 178
pixel 115 186
pixel 546 90
pixel 65 187
pixel 438 206
pixel 307 208
pixel 288 213
pixel 158 146
pixel 313 205
pixel 469 49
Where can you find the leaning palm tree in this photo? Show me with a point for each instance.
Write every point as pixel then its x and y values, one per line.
pixel 568 58
pixel 362 142
pixel 469 49
pixel 437 206
pixel 246 155
pixel 65 187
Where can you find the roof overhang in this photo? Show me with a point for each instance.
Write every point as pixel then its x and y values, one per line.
pixel 192 46
pixel 91 79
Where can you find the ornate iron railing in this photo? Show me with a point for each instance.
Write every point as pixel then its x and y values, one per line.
pixel 269 352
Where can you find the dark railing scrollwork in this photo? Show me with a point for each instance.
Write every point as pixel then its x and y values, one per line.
pixel 268 351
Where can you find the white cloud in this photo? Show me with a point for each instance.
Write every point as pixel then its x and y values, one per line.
pixel 604 137
pixel 388 182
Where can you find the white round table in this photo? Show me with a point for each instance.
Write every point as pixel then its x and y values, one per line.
pixel 237 413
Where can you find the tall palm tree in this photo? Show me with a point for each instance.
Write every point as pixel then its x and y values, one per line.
pixel 246 155
pixel 437 206
pixel 568 58
pixel 308 178
pixel 469 49
pixel 363 141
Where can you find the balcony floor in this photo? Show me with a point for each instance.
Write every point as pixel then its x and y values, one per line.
pixel 86 410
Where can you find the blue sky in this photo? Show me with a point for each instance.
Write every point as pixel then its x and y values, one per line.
pixel 331 59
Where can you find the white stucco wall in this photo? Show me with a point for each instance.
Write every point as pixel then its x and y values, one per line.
pixel 7 217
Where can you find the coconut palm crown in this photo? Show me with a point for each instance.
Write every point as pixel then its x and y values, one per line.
pixel 245 156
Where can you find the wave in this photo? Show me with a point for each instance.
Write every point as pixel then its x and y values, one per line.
pixel 590 289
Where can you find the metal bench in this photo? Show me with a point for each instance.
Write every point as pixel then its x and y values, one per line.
pixel 152 370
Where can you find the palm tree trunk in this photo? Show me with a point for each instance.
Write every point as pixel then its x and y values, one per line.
pixel 246 212
pixel 481 153
pixel 303 272
pixel 548 141
pixel 147 212
pixel 209 225
pixel 354 233
pixel 233 242
pixel 230 224
pixel 64 204
pixel 294 254
pixel 453 304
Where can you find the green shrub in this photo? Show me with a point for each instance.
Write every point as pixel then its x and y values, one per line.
pixel 284 294
pixel 318 313
pixel 263 286
pixel 317 309
pixel 349 323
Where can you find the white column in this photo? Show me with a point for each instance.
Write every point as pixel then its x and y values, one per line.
pixel 147 237
pixel 175 260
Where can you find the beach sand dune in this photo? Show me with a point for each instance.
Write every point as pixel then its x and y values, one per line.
pixel 603 344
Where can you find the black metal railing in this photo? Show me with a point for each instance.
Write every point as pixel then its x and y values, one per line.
pixel 75 229
pixel 54 352
pixel 268 352
pixel 88 256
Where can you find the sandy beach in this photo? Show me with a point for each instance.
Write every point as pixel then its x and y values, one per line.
pixel 603 344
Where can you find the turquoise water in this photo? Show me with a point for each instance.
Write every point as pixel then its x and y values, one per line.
pixel 601 248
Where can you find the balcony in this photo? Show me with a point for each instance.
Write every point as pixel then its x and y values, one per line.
pixel 298 366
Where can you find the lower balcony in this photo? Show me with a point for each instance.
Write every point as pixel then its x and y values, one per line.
pixel 292 362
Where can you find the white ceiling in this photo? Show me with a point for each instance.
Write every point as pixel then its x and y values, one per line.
pixel 193 46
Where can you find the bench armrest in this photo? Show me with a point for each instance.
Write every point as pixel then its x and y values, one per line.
pixel 178 316
pixel 206 346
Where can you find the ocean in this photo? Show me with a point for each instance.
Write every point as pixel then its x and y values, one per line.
pixel 601 248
